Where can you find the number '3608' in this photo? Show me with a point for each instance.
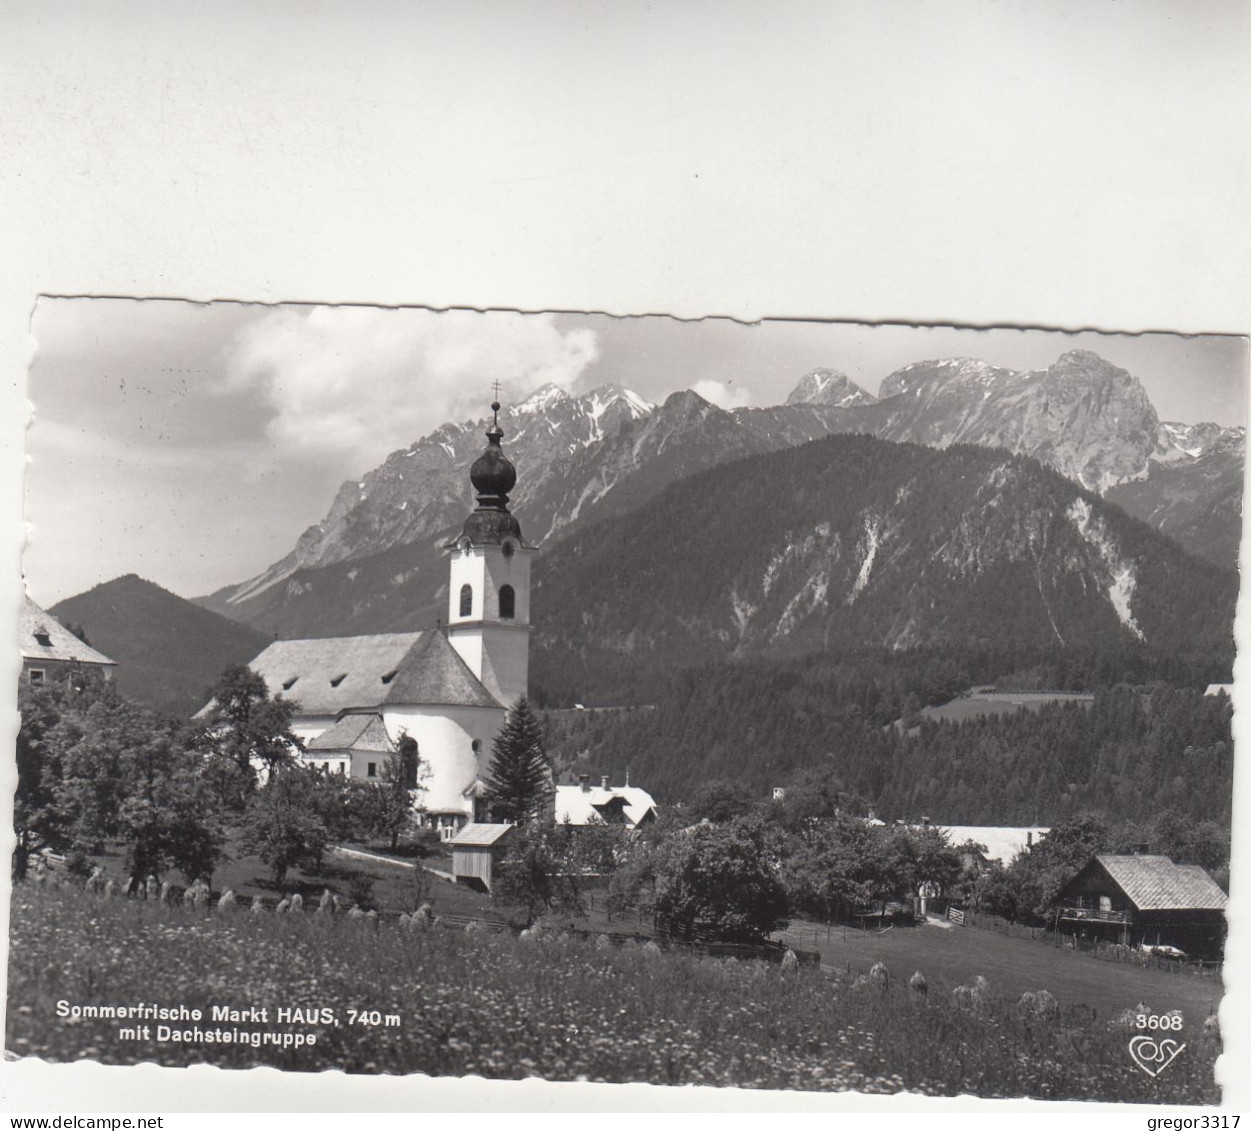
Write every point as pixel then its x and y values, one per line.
pixel 1160 1021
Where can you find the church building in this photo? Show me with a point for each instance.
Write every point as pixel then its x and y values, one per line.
pixel 449 689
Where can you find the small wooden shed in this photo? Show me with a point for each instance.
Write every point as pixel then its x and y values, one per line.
pixel 475 851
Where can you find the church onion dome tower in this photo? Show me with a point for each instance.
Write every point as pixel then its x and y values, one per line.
pixel 492 476
pixel 488 612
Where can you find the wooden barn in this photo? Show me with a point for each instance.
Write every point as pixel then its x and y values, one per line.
pixel 1146 899
pixel 476 852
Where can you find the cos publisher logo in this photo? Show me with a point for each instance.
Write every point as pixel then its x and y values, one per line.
pixel 1154 1056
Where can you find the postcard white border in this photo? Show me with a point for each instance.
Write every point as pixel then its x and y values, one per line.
pixel 224 208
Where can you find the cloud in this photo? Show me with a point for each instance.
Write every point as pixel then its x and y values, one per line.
pixel 359 382
pixel 722 393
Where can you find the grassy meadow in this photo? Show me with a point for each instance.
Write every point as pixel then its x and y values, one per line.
pixel 1013 965
pixel 560 1008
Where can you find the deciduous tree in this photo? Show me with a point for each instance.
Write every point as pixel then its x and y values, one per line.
pixel 721 881
pixel 282 824
pixel 246 728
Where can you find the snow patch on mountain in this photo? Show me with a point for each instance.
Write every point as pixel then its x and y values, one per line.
pixel 871 543
pixel 1124 578
pixel 829 387
pixel 542 399
pixel 770 577
pixel 810 595
pixel 743 610
pixel 257 585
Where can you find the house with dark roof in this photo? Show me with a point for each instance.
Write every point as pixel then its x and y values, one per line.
pixel 447 688
pixel 357 746
pixel 1144 899
pixel 50 651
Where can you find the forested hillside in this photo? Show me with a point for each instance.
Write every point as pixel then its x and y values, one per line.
pixel 851 541
pixel 169 651
pixel 1137 749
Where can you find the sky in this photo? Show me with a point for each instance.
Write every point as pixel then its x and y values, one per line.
pixel 192 443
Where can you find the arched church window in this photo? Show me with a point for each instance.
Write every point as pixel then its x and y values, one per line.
pixel 508 603
pixel 466 600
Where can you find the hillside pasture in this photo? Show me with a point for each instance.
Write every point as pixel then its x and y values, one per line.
pixel 956 955
pixel 1000 703
pixel 555 1007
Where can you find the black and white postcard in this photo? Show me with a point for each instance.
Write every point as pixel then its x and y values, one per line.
pixel 851 712
pixel 676 552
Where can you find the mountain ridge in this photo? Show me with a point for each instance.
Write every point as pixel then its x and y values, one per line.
pixel 169 650
pixel 1084 416
pixel 854 541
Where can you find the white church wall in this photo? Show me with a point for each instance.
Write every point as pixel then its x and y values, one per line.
pixel 506 662
pixel 445 738
pixel 362 760
pixel 468 642
pixel 308 727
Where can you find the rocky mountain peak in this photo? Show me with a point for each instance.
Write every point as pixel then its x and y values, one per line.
pixel 687 402
pixel 829 387
pixel 607 451
pixel 542 399
pixel 943 376
pixel 1086 373
pixel 605 395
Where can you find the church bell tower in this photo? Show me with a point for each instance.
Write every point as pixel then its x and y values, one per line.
pixel 488 621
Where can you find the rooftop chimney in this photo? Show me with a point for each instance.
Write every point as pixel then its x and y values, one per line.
pixel 584 780
pixel 603 782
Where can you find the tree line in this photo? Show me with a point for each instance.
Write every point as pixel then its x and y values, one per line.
pixel 95 769
pixel 727 865
pixel 1145 742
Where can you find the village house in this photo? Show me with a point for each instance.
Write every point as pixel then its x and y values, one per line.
pixel 1001 843
pixel 1144 899
pixel 50 651
pixel 583 804
pixel 447 688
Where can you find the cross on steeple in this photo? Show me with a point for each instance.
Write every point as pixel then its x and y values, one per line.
pixel 495 405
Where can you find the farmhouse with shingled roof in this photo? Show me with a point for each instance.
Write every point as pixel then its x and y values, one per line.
pixel 447 688
pixel 49 650
pixel 1146 899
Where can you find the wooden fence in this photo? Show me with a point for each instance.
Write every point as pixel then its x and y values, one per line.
pixel 1103 951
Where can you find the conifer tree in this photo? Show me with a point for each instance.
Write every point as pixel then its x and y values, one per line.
pixel 521 775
